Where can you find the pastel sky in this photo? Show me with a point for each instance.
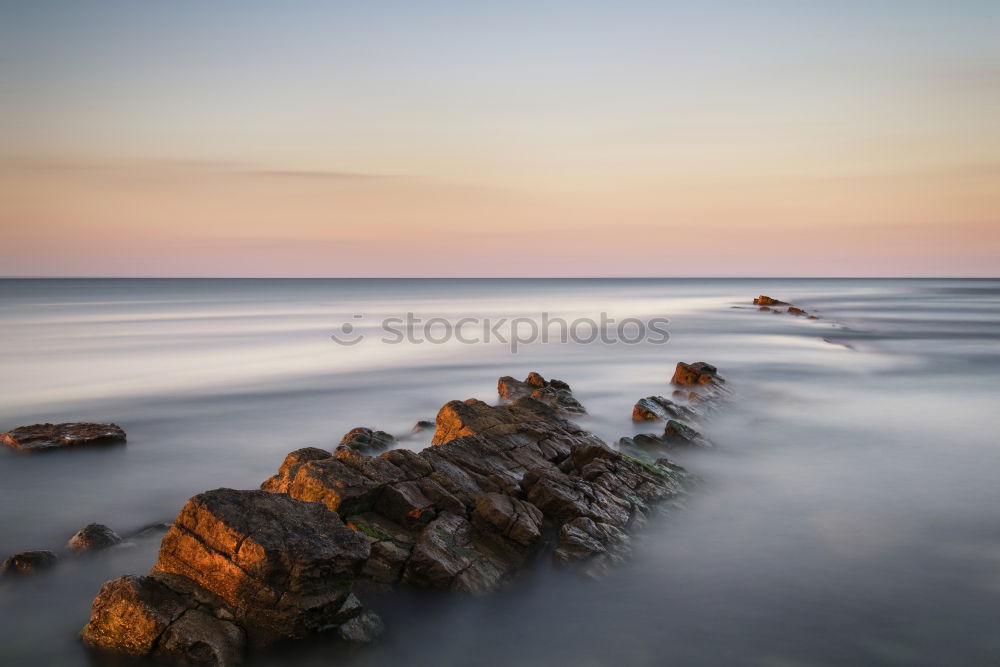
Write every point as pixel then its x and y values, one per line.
pixel 379 138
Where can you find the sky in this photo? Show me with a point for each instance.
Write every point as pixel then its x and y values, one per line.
pixel 631 138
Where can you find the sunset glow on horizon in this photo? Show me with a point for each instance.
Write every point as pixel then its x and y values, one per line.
pixel 500 139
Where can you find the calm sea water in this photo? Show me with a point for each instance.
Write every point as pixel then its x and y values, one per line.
pixel 851 514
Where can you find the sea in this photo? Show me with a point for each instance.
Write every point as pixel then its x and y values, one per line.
pixel 849 513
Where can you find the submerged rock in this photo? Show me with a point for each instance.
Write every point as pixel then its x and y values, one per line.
pixel 362 439
pixel 29 562
pixel 93 537
pixel 768 301
pixel 554 393
pixel 48 437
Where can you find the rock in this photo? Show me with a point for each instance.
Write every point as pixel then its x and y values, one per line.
pixel 764 309
pixel 445 556
pixel 364 628
pixel 675 434
pixel 696 374
pixel 554 393
pixel 678 433
pixel 517 522
pixel 93 537
pixel 422 425
pixel 366 440
pixel 284 566
pixel 657 408
pixel 29 562
pixel 461 515
pixel 792 310
pixel 164 616
pixel 48 437
pixel 290 466
pixel 768 301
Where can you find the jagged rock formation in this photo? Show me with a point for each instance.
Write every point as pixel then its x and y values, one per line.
pixel 700 385
pixel 245 568
pixel 49 437
pixel 554 393
pixel 657 408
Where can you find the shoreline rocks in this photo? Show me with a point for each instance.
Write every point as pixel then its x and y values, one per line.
pixel 49 437
pixel 242 569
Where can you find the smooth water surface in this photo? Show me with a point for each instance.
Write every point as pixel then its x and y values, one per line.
pixel 850 514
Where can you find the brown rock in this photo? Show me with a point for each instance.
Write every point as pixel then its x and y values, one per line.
pixel 93 537
pixel 696 374
pixel 768 301
pixel 362 439
pixel 554 393
pixel 48 437
pixel 284 566
pixel 155 616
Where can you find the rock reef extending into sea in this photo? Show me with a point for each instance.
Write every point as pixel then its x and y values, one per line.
pixel 241 569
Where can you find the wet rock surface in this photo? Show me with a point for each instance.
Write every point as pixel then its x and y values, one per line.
pixel 51 437
pixel 239 569
pixel 553 393
pixel 93 537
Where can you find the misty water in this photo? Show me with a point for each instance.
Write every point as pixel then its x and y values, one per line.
pixel 850 513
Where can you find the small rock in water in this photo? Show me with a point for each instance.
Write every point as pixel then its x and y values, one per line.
pixel 48 437
pixel 768 301
pixel 29 562
pixel 93 537
pixel 693 375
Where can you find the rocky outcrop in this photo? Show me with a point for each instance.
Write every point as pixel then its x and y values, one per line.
pixel 768 301
pixel 699 384
pixel 29 562
pixel 245 568
pixel 49 437
pixel 362 439
pixel 163 615
pixel 675 434
pixel 697 374
pixel 237 569
pixel 283 566
pixel 93 537
pixel 657 408
pixel 769 305
pixel 554 393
